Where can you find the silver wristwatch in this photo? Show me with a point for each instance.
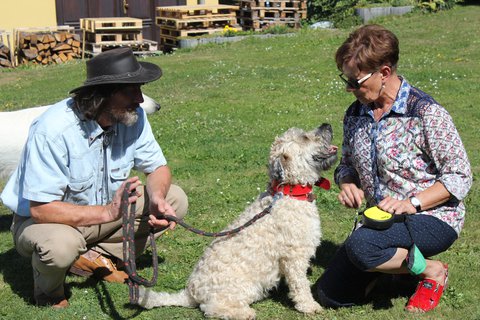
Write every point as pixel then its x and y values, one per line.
pixel 416 203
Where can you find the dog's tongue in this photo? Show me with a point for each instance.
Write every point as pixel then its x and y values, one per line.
pixel 323 183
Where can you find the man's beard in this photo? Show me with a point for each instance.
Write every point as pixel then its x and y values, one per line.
pixel 126 117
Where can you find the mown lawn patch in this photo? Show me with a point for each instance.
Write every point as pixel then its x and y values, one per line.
pixel 222 106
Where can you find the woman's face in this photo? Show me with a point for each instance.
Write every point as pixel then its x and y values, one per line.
pixel 365 86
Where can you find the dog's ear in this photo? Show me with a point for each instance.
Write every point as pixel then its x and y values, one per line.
pixel 278 171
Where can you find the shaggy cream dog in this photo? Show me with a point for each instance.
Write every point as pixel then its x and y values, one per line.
pixel 14 126
pixel 237 270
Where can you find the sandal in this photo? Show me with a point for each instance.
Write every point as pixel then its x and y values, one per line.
pixel 427 295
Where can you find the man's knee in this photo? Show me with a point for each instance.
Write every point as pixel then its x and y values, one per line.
pixel 59 247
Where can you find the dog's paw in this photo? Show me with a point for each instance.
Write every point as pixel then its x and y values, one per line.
pixel 144 298
pixel 311 307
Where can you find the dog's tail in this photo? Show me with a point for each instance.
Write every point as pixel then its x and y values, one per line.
pixel 150 299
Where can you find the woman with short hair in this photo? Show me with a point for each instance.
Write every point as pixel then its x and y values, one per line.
pixel 402 153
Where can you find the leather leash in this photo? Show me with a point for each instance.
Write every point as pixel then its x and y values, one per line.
pixel 218 234
pixel 128 229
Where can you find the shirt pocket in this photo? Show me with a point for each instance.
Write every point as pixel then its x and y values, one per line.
pixel 119 173
pixel 80 191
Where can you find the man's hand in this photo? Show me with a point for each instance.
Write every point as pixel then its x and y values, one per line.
pixel 159 207
pixel 113 209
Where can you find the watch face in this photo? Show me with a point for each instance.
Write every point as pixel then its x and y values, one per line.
pixel 416 203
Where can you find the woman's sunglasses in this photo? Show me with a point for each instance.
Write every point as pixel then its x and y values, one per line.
pixel 355 84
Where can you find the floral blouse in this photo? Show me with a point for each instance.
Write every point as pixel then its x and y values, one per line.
pixel 411 147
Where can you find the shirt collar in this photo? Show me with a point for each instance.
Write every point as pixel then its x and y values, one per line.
pixel 399 105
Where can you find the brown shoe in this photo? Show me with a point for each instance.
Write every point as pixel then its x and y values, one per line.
pixel 93 263
pixel 43 300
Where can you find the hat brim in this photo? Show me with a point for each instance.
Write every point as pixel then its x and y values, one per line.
pixel 148 72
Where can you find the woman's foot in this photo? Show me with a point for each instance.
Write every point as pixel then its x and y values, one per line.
pixel 430 289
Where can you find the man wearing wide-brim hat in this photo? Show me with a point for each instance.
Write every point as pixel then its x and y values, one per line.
pixel 66 191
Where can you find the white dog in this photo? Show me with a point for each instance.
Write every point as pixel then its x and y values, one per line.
pixel 239 269
pixel 14 126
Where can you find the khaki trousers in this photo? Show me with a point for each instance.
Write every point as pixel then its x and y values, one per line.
pixel 53 247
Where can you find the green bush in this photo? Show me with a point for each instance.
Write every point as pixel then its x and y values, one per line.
pixel 341 13
pixel 436 5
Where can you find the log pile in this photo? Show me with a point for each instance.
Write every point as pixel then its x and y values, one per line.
pixel 6 55
pixel 48 47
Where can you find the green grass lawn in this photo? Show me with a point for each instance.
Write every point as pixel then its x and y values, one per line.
pixel 222 106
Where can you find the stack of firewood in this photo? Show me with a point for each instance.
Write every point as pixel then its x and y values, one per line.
pixel 5 57
pixel 48 47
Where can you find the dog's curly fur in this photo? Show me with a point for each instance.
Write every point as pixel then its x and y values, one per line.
pixel 237 270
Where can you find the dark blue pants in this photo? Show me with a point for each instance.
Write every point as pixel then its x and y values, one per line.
pixel 344 281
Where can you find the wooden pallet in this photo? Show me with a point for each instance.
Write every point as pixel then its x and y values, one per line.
pixel 195 23
pixel 259 24
pixel 110 24
pixel 191 21
pixel 138 47
pixel 272 13
pixel 174 34
pixel 285 4
pixel 117 37
pixel 188 12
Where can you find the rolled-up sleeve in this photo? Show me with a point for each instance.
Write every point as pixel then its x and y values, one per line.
pixel 46 172
pixel 148 154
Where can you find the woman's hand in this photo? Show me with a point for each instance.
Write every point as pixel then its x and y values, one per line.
pixel 395 206
pixel 350 195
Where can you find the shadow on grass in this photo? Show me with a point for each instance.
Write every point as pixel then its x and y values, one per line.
pixel 5 222
pixel 324 253
pixel 389 287
pixel 108 306
pixel 17 273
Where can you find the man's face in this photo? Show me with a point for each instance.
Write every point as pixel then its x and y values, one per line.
pixel 124 103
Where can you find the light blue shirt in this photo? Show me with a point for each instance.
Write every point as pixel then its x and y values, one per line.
pixel 68 158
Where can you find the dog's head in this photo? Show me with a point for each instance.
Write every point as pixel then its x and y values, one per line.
pixel 299 157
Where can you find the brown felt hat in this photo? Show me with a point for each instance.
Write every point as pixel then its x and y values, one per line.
pixel 118 66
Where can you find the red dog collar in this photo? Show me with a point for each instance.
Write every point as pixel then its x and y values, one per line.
pixel 298 191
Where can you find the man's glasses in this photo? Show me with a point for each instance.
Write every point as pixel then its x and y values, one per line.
pixel 355 84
